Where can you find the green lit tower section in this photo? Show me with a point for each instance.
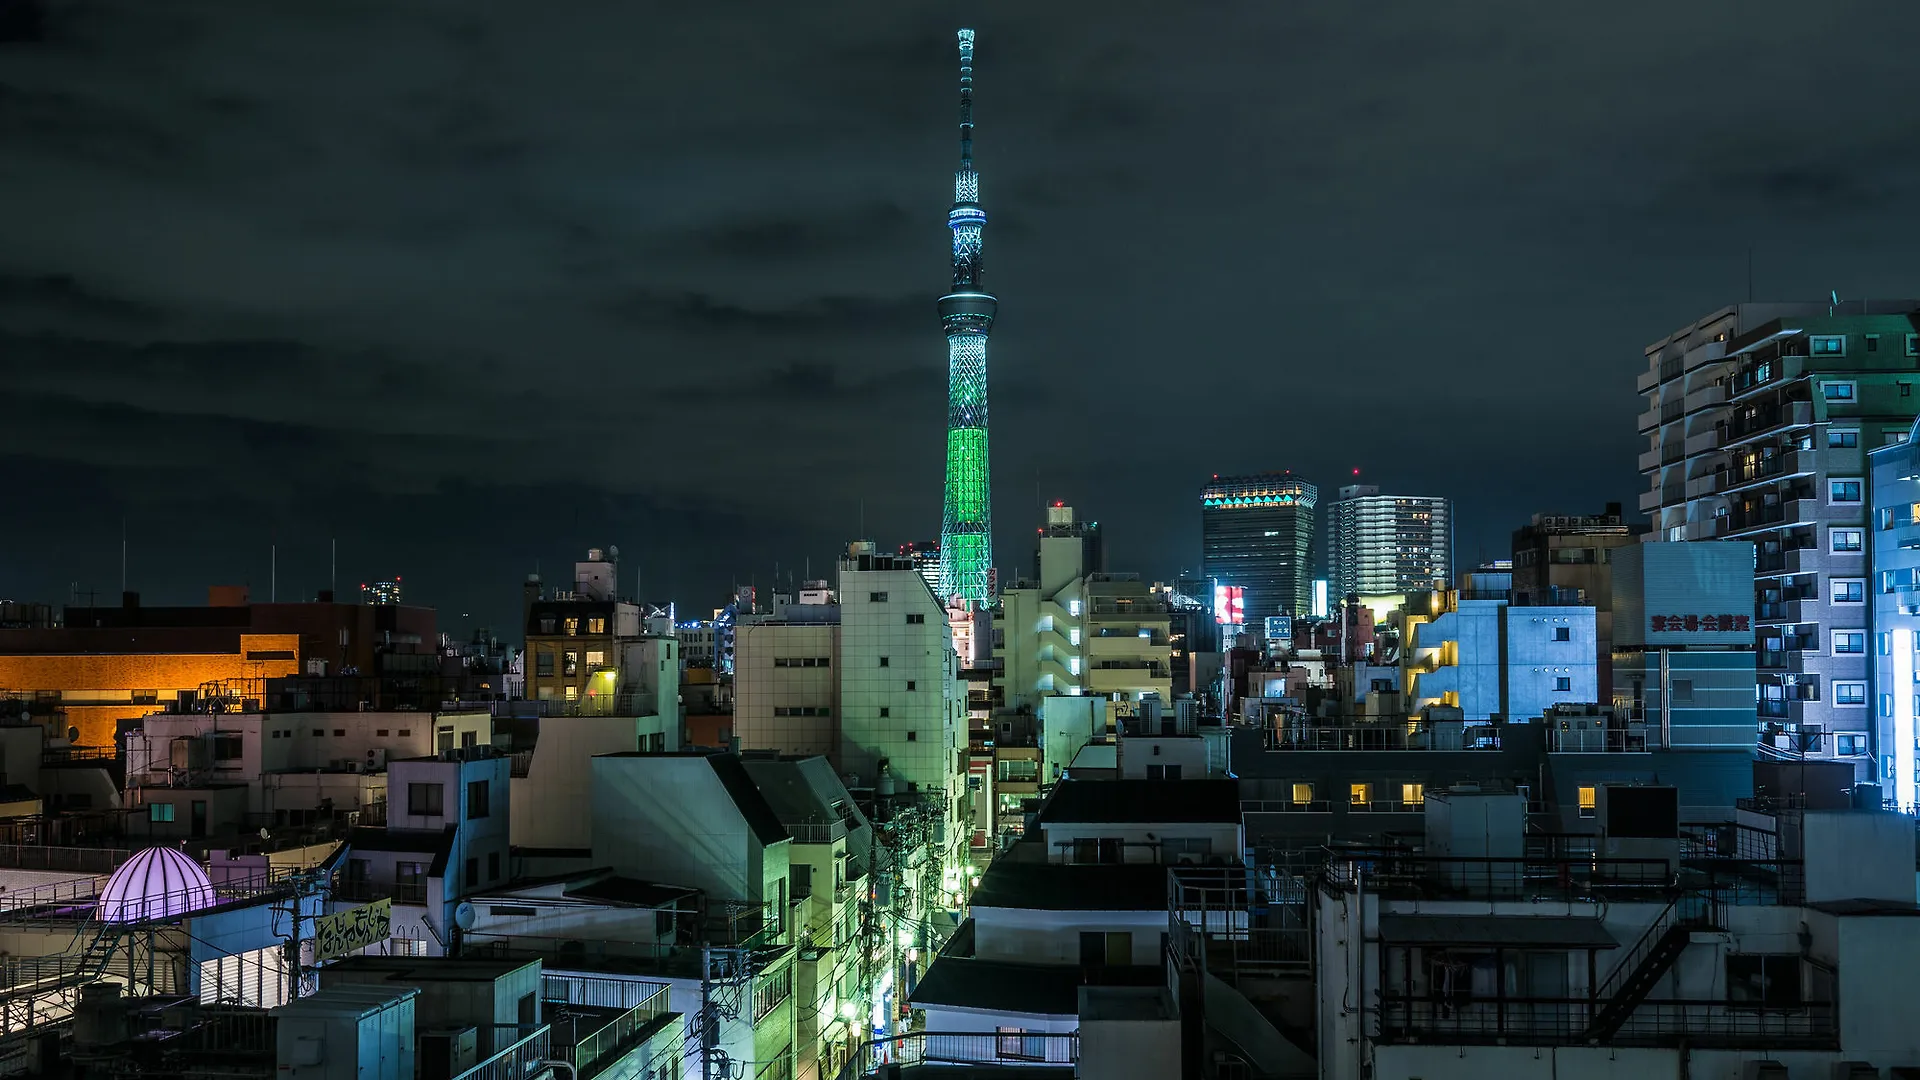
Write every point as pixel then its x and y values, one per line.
pixel 966 525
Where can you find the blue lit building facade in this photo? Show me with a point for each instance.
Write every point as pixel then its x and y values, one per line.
pixel 1895 581
pixel 1683 661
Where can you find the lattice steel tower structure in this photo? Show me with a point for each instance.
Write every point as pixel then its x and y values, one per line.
pixel 966 525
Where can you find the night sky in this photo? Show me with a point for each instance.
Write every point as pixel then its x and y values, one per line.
pixel 471 287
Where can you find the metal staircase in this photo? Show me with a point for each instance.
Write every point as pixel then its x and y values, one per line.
pixel 1649 962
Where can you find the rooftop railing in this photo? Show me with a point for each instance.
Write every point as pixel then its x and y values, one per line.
pixel 1027 1049
pixel 1563 1021
pixel 599 1044
pixel 519 1061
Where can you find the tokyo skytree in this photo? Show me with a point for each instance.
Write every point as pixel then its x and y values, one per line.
pixel 966 313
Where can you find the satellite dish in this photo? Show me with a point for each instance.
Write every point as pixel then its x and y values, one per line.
pixel 264 834
pixel 613 551
pixel 463 916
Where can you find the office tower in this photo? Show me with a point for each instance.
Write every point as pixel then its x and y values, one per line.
pixel 1382 545
pixel 1758 421
pixel 966 313
pixel 1256 533
pixel 1895 693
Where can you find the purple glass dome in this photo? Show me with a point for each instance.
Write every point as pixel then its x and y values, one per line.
pixel 157 883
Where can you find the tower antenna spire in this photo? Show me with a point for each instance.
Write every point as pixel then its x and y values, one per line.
pixel 966 315
pixel 966 98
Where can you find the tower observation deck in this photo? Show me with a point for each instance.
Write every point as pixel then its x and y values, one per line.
pixel 966 313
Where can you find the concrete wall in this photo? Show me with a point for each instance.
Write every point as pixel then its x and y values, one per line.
pixel 1187 752
pixel 1227 839
pixel 766 681
pixel 667 818
pixel 1537 660
pixel 1033 936
pixel 552 806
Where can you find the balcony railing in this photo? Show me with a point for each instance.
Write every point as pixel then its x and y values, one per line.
pixel 1563 1021
pixel 816 832
pixel 1028 1049
pixel 519 1061
pixel 593 1045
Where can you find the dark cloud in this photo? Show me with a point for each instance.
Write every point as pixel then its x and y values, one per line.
pixel 470 289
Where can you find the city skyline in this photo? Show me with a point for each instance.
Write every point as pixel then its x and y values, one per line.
pixel 236 344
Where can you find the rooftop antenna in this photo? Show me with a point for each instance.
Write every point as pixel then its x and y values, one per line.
pixel 333 571
pixel 273 573
pixel 1749 273
pixel 123 556
pixel 1834 296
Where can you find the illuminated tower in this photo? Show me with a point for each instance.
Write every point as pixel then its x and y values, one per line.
pixel 966 525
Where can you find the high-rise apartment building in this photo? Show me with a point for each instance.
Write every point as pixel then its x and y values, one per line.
pixel 1383 545
pixel 1256 533
pixel 1758 421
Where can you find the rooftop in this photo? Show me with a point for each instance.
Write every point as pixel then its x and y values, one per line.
pixel 1036 989
pixel 1141 801
pixel 1057 887
pixel 631 892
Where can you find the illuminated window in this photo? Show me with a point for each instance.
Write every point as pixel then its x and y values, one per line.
pixel 160 811
pixel 570 663
pixel 595 658
pixel 573 626
pixel 1413 794
pixel 1588 800
pixel 1828 345
pixel 597 625
pixel 1073 607
pixel 573 693
pixel 1357 794
pixel 1302 794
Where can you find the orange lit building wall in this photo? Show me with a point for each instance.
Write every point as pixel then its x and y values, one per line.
pixel 92 684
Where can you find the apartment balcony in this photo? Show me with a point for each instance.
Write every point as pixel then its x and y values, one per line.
pixel 1108 647
pixel 1652 500
pixel 1790 610
pixel 1702 441
pixel 1790 710
pixel 1649 459
pixel 1777 418
pixel 1647 380
pixel 816 832
pixel 1707 397
pixel 1143 610
pixel 1116 677
pixel 1779 661
pixel 1784 466
pixel 1647 421
pixel 1702 486
pixel 1787 561
pixel 1788 511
